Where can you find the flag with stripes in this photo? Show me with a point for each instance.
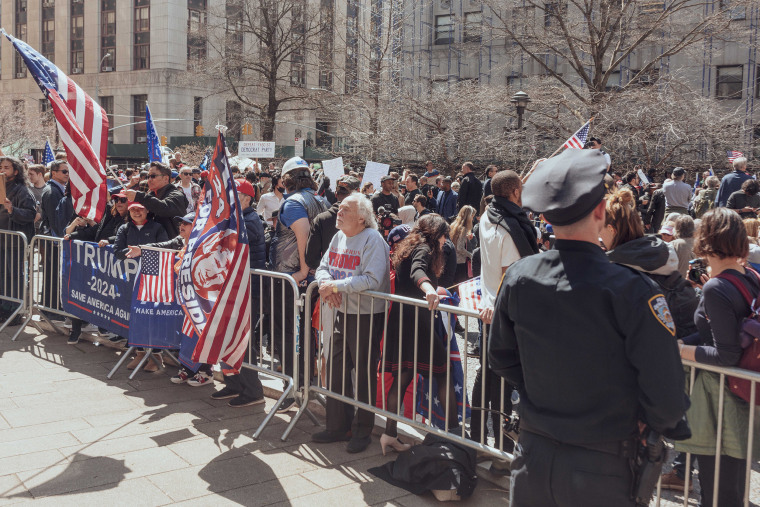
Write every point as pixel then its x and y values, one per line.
pixel 578 140
pixel 82 126
pixel 214 280
pixel 156 277
pixel 470 295
pixel 154 146
pixel 205 161
pixel 49 155
pixel 733 155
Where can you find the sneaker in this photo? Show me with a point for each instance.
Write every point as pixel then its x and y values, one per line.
pixel 73 338
pixel 117 339
pixel 671 481
pixel 473 350
pixel 67 323
pixel 225 393
pixel 286 405
pixel 241 401
pixel 90 328
pixel 200 379
pixel 180 378
pixel 327 436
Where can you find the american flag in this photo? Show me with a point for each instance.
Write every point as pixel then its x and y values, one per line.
pixel 82 126
pixel 214 276
pixel 733 155
pixel 187 327
pixel 49 155
pixel 156 277
pixel 578 140
pixel 470 295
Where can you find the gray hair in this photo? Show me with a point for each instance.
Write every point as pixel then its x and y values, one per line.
pixel 363 208
pixel 739 163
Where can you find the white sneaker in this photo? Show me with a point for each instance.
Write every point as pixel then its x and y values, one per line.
pixel 200 379
pixel 67 323
pixel 90 328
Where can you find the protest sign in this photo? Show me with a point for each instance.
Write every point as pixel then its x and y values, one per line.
pixel 333 170
pixel 97 286
pixel 373 172
pixel 643 177
pixel 2 189
pixel 298 147
pixel 256 149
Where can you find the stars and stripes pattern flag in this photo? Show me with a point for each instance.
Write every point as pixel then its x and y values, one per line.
pixel 733 155
pixel 156 276
pixel 214 281
pixel 578 140
pixel 82 127
pixel 187 327
pixel 470 295
pixel 49 155
pixel 154 146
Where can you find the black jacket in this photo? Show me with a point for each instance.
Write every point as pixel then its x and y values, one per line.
pixel 322 231
pixel 176 243
pixel 470 192
pixel 606 327
pixel 106 229
pixel 165 204
pixel 130 235
pixel 656 210
pixel 53 220
pixel 24 211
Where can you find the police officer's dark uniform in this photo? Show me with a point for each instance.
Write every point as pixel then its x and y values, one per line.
pixel 589 345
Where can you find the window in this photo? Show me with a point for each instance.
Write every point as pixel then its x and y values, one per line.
pixel 48 31
pixel 552 11
pixel 613 82
pixel 142 19
pixel 297 69
pixel 737 12
pixel 77 27
pixel 472 26
pixel 107 35
pixel 107 104
pixel 142 57
pixel 138 110
pixel 196 28
pixel 729 82
pixel 108 23
pixel 77 62
pixel 48 35
pixel 19 66
pixel 141 50
pixel 324 138
pixel 444 29
pixel 652 7
pixel 197 112
pixel 44 106
pixel 196 20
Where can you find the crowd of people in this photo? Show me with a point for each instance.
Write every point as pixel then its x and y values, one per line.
pixel 636 246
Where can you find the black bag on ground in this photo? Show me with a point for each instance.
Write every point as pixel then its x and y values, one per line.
pixel 436 464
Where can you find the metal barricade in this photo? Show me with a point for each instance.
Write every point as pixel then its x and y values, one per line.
pixel 14 271
pixel 276 299
pixel 491 441
pixel 723 372
pixel 45 279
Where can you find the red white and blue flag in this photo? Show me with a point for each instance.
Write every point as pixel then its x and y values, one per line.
pixel 214 281
pixel 578 140
pixel 82 126
pixel 470 295
pixel 733 155
pixel 156 276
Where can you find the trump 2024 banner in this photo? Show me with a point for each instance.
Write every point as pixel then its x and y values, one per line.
pixel 97 286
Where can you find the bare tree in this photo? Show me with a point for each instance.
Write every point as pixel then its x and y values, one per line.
pixel 22 130
pixel 261 48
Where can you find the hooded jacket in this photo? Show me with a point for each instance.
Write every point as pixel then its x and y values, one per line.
pixel 651 255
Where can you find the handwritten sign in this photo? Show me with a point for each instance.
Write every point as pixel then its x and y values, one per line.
pixel 256 149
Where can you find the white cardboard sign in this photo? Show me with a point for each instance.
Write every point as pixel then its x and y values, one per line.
pixel 256 149
pixel 333 169
pixel 373 171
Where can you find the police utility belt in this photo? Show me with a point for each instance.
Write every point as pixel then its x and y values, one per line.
pixel 621 448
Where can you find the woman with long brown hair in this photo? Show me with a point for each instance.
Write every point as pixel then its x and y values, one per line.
pixel 418 262
pixel 461 236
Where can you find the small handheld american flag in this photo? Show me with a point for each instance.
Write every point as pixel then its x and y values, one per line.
pixel 733 155
pixel 49 155
pixel 156 277
pixel 578 140
pixel 470 295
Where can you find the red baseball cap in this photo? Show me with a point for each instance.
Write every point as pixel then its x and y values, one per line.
pixel 134 204
pixel 245 187
pixel 204 174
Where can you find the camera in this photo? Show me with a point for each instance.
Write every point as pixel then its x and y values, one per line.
pixel 386 221
pixel 697 268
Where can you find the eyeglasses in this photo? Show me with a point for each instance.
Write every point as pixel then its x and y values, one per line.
pixel 64 171
pixel 151 176
pixel 120 199
pixel 186 174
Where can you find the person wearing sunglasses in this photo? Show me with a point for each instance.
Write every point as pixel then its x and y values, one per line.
pixel 164 200
pixel 55 218
pixel 191 189
pixel 103 233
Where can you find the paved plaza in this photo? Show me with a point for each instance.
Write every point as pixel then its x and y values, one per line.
pixel 68 435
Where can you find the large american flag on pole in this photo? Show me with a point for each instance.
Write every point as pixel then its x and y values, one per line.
pixel 733 155
pixel 156 276
pixel 578 140
pixel 214 281
pixel 82 126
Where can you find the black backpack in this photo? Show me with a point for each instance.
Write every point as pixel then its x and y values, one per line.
pixel 682 301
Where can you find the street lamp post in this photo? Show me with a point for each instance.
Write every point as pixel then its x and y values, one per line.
pixel 97 77
pixel 520 100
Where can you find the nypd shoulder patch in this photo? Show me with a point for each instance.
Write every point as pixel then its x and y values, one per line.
pixel 661 312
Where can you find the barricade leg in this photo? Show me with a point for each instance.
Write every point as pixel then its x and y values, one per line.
pixel 121 361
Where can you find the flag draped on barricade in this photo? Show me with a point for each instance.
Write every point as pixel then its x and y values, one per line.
pixel 444 330
pixel 154 146
pixel 156 316
pixel 214 279
pixel 82 126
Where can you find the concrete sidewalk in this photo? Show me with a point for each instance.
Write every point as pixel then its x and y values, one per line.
pixel 70 436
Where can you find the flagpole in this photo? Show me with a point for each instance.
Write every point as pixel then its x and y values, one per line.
pixel 525 178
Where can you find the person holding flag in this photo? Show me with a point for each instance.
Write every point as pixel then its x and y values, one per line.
pixel 162 199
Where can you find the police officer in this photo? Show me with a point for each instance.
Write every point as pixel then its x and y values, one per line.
pixel 605 361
